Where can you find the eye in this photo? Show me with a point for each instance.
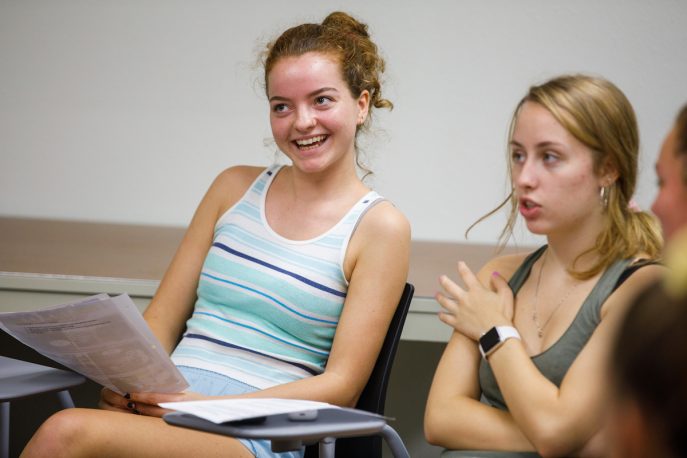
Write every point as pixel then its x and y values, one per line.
pixel 549 157
pixel 323 100
pixel 279 107
pixel 517 157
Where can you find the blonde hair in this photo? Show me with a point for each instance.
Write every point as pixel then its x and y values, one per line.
pixel 599 115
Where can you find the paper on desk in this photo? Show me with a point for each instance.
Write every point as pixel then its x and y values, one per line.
pixel 106 339
pixel 223 410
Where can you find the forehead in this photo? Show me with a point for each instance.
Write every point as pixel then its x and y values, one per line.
pixel 668 155
pixel 535 123
pixel 310 71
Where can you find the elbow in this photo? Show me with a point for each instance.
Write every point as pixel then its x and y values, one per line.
pixel 434 427
pixel 432 436
pixel 547 450
pixel 553 441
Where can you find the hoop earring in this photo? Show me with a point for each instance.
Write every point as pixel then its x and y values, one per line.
pixel 603 196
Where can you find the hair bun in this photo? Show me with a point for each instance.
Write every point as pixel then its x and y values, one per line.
pixel 345 23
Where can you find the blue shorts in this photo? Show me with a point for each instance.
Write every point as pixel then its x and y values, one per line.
pixel 213 384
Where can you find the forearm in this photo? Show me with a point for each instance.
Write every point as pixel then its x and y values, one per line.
pixel 324 388
pixel 465 423
pixel 553 422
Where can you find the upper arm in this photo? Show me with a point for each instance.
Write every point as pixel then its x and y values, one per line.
pixel 176 295
pixel 377 257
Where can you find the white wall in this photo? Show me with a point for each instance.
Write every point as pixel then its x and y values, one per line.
pixel 124 111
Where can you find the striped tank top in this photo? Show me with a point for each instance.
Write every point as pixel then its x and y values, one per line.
pixel 268 307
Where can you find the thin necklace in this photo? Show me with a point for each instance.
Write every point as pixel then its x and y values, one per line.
pixel 535 314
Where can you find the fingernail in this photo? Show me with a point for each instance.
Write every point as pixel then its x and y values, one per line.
pixel 127 395
pixel 495 274
pixel 130 405
pixel 136 412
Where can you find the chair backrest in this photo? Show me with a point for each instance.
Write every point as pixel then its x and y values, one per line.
pixel 373 396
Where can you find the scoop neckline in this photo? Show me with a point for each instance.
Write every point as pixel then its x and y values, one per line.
pixel 268 227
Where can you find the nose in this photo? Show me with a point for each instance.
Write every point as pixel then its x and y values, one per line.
pixel 525 174
pixel 305 120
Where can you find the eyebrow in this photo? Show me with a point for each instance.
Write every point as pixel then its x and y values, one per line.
pixel 538 145
pixel 312 94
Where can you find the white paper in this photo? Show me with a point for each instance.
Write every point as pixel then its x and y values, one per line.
pixel 106 339
pixel 223 410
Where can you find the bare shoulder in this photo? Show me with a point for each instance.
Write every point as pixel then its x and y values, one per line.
pixel 505 265
pixel 238 177
pixel 632 286
pixel 231 184
pixel 384 221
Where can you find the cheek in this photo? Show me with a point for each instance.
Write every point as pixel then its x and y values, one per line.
pixel 581 187
pixel 278 126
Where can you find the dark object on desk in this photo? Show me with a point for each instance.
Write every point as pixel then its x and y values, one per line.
pixel 21 379
pixel 287 434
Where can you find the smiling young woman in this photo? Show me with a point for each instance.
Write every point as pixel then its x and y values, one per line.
pixel 523 373
pixel 283 271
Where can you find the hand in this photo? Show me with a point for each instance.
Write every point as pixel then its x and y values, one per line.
pixel 476 309
pixel 143 403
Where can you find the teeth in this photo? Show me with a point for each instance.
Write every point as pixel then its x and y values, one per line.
pixel 310 141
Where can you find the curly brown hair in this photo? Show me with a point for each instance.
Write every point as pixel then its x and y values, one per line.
pixel 348 40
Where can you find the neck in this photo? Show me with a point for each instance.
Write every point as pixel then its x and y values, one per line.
pixel 566 246
pixel 331 183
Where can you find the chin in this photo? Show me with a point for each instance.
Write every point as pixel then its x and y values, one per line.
pixel 537 228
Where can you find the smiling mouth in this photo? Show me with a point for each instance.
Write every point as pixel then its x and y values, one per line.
pixel 310 143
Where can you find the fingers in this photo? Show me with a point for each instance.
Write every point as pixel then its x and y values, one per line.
pixel 448 318
pixel 109 400
pixel 115 400
pixel 469 278
pixel 504 292
pixel 450 305
pixel 156 398
pixel 500 284
pixel 451 288
pixel 147 403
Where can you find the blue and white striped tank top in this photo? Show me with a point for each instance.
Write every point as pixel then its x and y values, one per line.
pixel 267 306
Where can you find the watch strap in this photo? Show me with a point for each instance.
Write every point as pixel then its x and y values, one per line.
pixel 495 337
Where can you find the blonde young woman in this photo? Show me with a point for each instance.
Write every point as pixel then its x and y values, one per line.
pixel 532 332
pixel 287 278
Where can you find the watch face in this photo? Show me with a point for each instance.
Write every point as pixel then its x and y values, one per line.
pixel 489 340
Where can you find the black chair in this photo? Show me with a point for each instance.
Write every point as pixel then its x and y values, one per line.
pixel 373 397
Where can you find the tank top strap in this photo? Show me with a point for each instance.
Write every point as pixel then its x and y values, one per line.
pixel 591 308
pixel 523 272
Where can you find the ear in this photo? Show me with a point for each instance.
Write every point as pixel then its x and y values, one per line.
pixel 608 174
pixel 363 107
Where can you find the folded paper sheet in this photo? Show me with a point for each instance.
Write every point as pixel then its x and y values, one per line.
pixel 224 410
pixel 106 339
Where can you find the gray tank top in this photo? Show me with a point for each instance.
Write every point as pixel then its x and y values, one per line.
pixel 554 362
